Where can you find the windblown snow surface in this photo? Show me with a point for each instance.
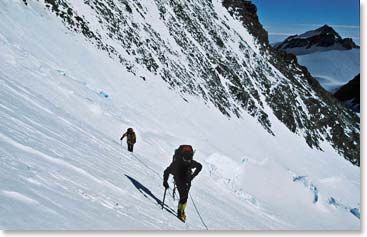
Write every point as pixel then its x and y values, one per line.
pixel 63 107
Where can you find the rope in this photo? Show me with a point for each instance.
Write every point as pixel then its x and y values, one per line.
pixel 146 166
pixel 136 158
pixel 197 211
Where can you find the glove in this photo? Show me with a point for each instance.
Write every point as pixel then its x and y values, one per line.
pixel 165 184
pixel 192 177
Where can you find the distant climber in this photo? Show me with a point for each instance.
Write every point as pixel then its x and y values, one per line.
pixel 130 138
pixel 181 169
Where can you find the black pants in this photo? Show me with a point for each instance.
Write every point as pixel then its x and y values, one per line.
pixel 130 147
pixel 183 190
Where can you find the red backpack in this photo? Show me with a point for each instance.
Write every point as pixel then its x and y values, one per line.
pixel 183 151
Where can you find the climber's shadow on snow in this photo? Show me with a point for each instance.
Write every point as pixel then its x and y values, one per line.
pixel 147 193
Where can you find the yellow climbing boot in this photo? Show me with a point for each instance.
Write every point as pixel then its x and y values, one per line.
pixel 181 211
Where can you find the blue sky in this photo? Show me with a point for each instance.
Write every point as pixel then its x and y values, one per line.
pixel 282 18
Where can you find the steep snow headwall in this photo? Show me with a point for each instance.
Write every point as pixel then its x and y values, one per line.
pixel 198 48
pixel 191 46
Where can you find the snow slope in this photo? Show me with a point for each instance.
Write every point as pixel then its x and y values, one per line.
pixel 333 68
pixel 63 107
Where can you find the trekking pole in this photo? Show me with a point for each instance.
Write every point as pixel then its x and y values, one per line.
pixel 164 197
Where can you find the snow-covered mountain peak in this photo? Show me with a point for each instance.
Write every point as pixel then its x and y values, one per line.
pixel 324 30
pixel 321 39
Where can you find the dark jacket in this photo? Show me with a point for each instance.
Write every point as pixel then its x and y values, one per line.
pixel 130 137
pixel 181 172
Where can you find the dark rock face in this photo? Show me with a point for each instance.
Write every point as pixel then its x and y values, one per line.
pixel 348 43
pixel 236 73
pixel 324 37
pixel 247 11
pixel 350 94
pixel 324 111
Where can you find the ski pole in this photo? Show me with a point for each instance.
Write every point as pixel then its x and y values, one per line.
pixel 164 197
